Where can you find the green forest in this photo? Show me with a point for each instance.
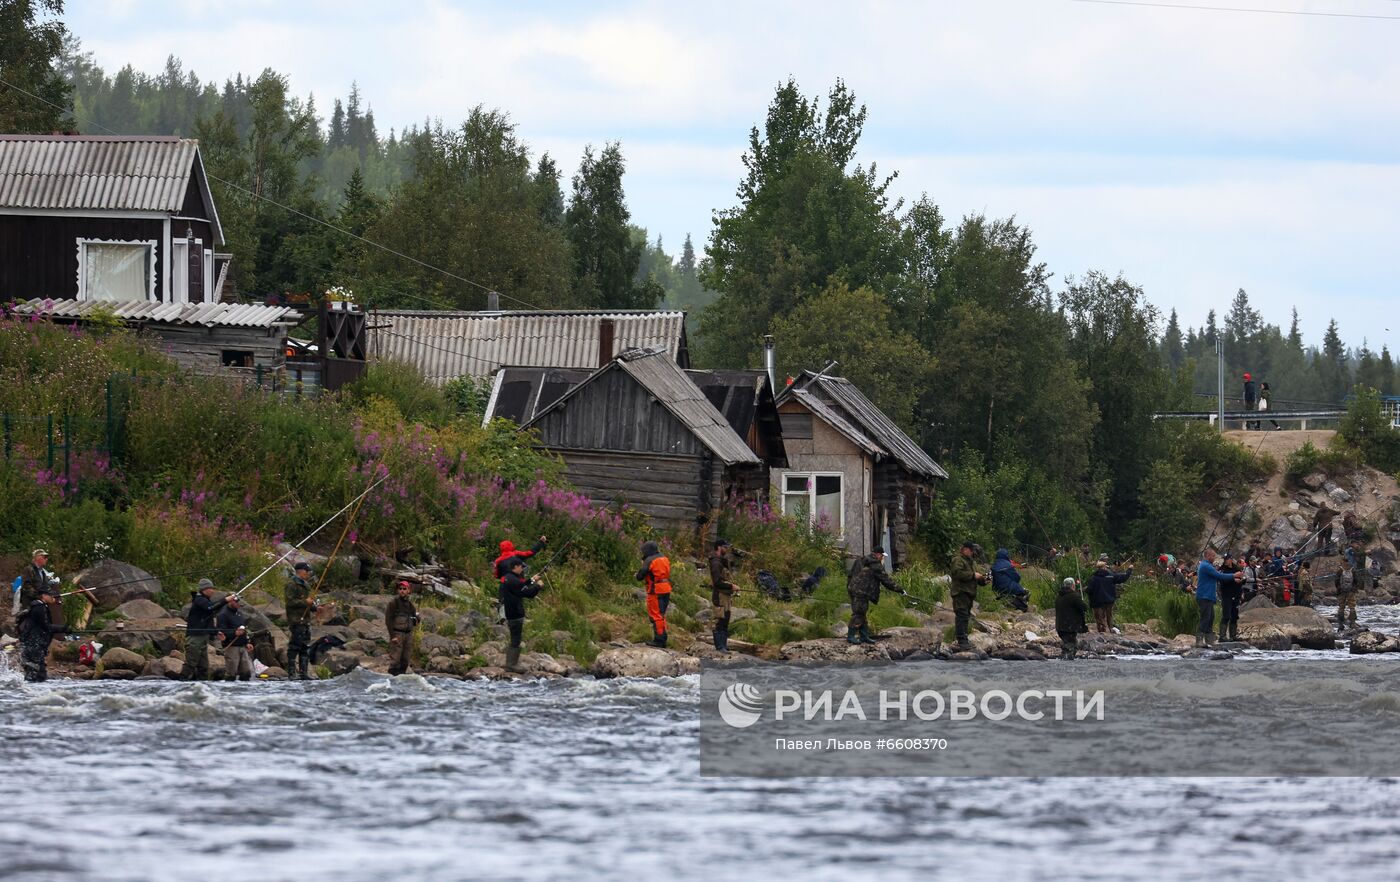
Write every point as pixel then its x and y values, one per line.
pixel 1035 387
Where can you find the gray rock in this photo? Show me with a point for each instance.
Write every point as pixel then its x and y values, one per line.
pixel 1207 654
pixel 641 661
pixel 434 644
pixel 118 674
pixel 1370 642
pixel 339 662
pixel 1315 481
pixel 1258 601
pixel 167 668
pixel 297 555
pixel 121 659
pixel 115 583
pixel 1300 624
pixel 141 609
pixel 1299 522
pixel 370 629
pixel 1339 495
pixel 164 634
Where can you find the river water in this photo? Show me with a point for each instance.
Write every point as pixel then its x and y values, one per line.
pixel 369 778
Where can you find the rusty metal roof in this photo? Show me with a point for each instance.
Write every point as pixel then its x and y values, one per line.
pixel 845 408
pixel 447 345
pixel 101 173
pixel 241 315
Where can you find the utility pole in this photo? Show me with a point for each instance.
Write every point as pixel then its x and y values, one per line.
pixel 1220 380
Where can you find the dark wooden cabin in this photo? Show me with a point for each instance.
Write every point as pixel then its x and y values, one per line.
pixel 115 218
pixel 639 431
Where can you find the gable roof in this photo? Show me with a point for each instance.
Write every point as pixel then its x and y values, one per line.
pixel 102 173
pixel 519 393
pixel 746 399
pixel 445 345
pixel 668 384
pixel 841 405
pixel 240 315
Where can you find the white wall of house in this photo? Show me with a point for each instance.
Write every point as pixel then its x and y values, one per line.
pixel 829 454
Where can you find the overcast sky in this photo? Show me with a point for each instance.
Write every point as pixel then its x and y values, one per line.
pixel 1195 151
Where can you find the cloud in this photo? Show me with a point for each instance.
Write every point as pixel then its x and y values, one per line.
pixel 1197 151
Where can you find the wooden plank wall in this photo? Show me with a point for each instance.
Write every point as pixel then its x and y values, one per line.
pixel 201 348
pixel 39 255
pixel 666 489
pixel 614 412
pixel 898 493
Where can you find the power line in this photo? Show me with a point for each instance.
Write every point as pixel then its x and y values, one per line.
pixel 1191 6
pixel 302 214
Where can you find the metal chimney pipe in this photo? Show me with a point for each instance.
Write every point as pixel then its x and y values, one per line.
pixel 770 361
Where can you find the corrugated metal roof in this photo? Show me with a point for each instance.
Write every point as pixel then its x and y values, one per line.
pixel 873 422
pixel 242 315
pixel 447 345
pixel 89 172
pixel 665 381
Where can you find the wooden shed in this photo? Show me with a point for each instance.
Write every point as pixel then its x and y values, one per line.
pixel 639 431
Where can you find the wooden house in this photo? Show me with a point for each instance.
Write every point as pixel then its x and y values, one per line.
pixel 851 470
pixel 116 218
pixel 636 431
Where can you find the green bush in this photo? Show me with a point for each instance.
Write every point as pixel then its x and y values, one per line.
pixel 403 386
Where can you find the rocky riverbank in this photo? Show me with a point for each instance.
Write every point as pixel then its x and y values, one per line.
pixel 143 640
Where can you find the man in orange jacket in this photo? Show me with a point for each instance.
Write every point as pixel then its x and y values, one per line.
pixel 656 573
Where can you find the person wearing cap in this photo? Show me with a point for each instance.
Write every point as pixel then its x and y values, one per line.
pixel 33 578
pixel 1103 593
pixel 233 635
pixel 863 585
pixel 722 592
pixel 515 589
pixel 36 631
pixel 1346 593
pixel 1232 594
pixel 965 579
pixel 1251 397
pixel 400 618
pixel 1070 611
pixel 199 627
pixel 297 599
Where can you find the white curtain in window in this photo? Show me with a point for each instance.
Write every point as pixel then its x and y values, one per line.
pixel 116 271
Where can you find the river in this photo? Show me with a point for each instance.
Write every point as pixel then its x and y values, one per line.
pixel 369 778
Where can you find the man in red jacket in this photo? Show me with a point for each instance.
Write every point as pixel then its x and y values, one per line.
pixel 508 551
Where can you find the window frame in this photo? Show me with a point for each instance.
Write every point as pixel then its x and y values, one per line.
pixel 152 244
pixel 812 513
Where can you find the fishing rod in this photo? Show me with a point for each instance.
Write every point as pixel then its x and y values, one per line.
pixel 151 578
pixel 309 536
pixel 1210 540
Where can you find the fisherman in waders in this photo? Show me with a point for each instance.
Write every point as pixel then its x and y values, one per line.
pixel 965 578
pixel 36 631
pixel 656 574
pixel 232 628
pixel 722 592
pixel 1103 593
pixel 297 598
pixel 401 618
pixel 33 579
pixel 1346 593
pixel 1208 579
pixel 514 589
pixel 1070 610
pixel 863 585
pixel 199 627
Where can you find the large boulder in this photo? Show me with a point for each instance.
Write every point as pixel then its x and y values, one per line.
pixel 338 661
pixel 118 659
pixel 1300 624
pixel 141 609
pixel 167 668
pixel 435 644
pixel 115 583
pixel 370 629
pixel 1283 533
pixel 164 634
pixel 1369 642
pixel 642 661
pixel 1268 637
